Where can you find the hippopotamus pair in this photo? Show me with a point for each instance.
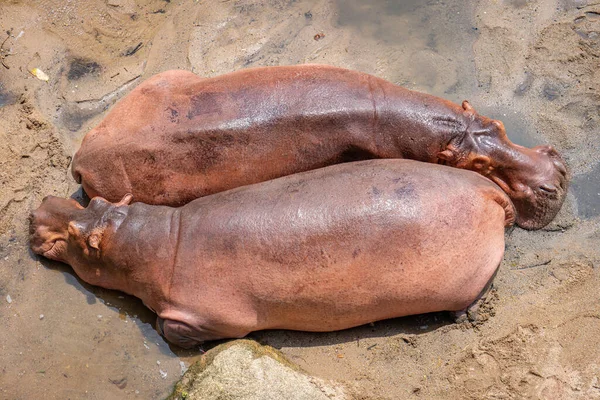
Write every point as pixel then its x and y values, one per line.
pixel 321 250
pixel 178 137
pixel 267 238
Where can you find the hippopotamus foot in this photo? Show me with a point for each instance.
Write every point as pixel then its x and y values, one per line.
pixel 478 311
pixel 187 336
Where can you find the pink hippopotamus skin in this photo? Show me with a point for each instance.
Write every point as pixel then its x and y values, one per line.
pixel 178 137
pixel 321 250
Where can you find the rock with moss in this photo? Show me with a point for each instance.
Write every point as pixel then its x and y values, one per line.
pixel 245 370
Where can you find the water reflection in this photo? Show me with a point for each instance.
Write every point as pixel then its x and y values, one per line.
pixel 128 308
pixel 586 188
pixel 518 129
pixel 429 43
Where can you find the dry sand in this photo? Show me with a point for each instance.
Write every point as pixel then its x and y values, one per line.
pixel 533 64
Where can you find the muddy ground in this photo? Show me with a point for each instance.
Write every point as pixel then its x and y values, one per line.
pixel 533 64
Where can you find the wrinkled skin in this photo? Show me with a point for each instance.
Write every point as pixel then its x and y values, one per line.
pixel 318 251
pixel 178 137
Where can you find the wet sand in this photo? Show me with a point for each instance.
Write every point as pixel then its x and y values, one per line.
pixel 533 64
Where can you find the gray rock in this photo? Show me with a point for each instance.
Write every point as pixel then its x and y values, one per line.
pixel 243 369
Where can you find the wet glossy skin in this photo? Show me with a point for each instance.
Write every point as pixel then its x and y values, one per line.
pixel 321 250
pixel 178 137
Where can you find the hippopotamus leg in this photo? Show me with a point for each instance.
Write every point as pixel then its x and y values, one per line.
pixel 471 313
pixel 186 336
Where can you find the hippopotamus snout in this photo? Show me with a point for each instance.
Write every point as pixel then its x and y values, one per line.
pixel 48 226
pixel 59 226
pixel 544 178
pixel 39 238
pixel 555 179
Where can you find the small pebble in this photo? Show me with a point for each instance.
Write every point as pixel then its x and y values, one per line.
pixel 424 326
pixel 146 346
pixel 41 316
pixel 8 299
pixel 157 362
pixel 163 374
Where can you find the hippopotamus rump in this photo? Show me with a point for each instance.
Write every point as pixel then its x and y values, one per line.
pixel 321 250
pixel 177 137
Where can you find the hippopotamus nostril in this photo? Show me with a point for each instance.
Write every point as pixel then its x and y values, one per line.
pixel 548 150
pixel 560 166
pixel 552 151
pixel 32 227
pixel 33 217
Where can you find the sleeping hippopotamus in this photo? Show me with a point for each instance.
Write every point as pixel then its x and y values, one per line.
pixel 321 250
pixel 178 137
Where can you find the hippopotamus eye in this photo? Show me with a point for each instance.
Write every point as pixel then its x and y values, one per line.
pixel 480 132
pixel 74 228
pixel 548 188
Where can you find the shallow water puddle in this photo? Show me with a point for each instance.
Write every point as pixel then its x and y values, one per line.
pixel 435 40
pixel 77 340
pixel 586 188
pixel 518 129
pixel 6 98
pixel 429 44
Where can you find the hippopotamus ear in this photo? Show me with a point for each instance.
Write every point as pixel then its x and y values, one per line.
pixel 125 200
pixel 74 228
pixel 447 155
pixel 102 202
pixel 468 107
pixel 94 241
pixel 95 237
pixel 482 164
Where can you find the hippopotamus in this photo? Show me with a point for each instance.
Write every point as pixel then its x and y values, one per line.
pixel 321 250
pixel 178 137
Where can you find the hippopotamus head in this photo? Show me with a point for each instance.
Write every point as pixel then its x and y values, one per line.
pixel 62 230
pixel 535 179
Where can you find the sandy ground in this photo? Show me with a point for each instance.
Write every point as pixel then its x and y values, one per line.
pixel 533 64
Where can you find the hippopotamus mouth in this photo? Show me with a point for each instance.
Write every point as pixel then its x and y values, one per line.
pixel 52 251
